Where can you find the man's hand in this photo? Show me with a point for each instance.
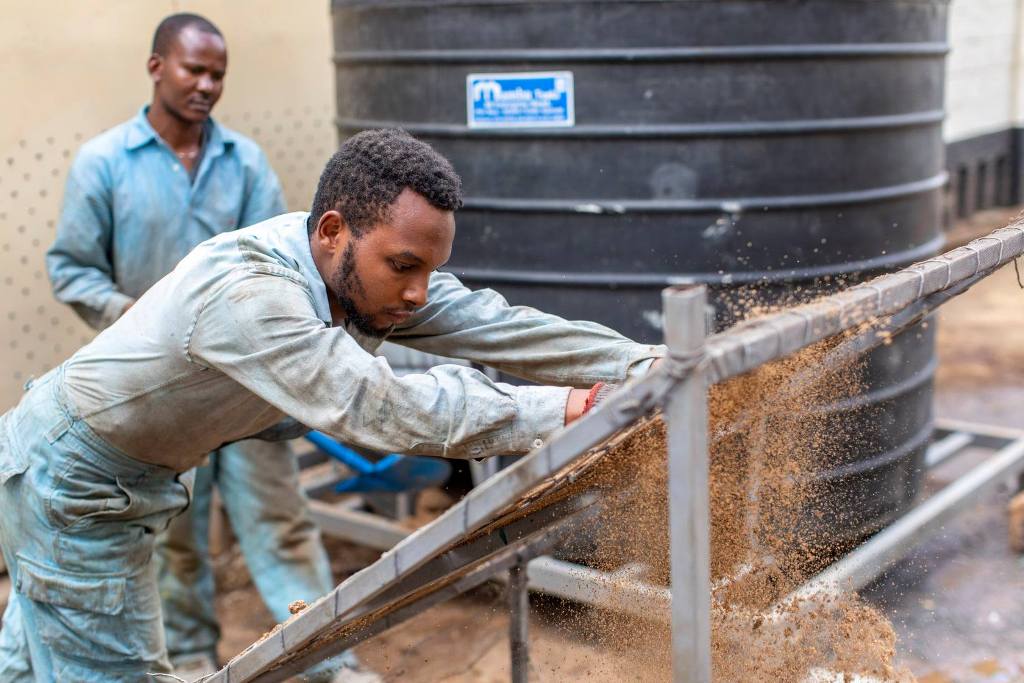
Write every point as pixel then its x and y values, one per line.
pixel 582 401
pixel 576 404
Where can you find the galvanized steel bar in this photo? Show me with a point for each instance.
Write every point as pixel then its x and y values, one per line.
pixel 686 420
pixel 763 340
pixel 519 623
pixel 491 569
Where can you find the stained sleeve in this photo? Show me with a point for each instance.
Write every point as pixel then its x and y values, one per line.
pixel 261 330
pixel 481 326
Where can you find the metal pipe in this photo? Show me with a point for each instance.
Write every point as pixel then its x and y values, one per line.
pixel 860 567
pixel 519 623
pixel 686 420
pixel 945 447
pixel 608 590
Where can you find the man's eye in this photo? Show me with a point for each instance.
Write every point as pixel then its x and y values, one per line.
pixel 400 267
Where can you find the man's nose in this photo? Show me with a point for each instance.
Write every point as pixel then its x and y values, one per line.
pixel 415 295
pixel 205 84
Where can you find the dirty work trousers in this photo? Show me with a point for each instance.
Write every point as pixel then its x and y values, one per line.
pixel 259 486
pixel 78 520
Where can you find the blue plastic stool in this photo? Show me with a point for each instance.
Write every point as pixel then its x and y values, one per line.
pixel 391 474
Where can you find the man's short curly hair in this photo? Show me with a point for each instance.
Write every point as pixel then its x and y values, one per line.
pixel 366 175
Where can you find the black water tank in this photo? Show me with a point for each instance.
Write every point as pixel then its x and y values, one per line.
pixel 776 142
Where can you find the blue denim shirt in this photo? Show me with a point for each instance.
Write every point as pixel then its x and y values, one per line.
pixel 240 335
pixel 132 211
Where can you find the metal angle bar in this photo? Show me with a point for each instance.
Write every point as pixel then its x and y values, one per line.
pixel 547 575
pixel 762 340
pixel 864 564
pixel 483 546
pixel 391 591
pixel 946 447
pixel 686 421
pixel 855 346
pixel 492 568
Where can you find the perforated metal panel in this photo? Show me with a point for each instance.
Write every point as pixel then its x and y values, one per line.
pixel 297 140
pixel 39 332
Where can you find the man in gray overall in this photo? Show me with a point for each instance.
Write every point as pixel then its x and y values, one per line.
pixel 275 320
pixel 139 198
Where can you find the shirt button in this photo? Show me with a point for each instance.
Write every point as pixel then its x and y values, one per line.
pixel 537 443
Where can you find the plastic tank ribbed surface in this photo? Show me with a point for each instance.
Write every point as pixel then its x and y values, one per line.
pixel 777 142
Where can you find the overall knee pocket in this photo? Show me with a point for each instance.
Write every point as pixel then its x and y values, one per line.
pixel 89 616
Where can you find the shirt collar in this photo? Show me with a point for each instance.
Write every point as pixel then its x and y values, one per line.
pixel 141 133
pixel 295 240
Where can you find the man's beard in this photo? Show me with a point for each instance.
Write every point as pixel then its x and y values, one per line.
pixel 346 284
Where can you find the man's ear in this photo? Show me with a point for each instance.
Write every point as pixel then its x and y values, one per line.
pixel 155 67
pixel 332 231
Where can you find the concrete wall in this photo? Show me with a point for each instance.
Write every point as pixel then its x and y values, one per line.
pixel 983 87
pixel 72 68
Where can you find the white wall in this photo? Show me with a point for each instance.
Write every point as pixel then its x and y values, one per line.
pixel 983 68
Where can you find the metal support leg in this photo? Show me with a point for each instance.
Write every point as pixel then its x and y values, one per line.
pixel 686 418
pixel 519 622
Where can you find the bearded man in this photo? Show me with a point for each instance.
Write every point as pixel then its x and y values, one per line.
pixel 275 320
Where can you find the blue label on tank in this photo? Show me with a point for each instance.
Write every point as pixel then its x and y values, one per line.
pixel 536 99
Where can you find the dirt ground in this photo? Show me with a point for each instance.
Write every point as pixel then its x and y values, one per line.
pixel 957 603
pixel 464 640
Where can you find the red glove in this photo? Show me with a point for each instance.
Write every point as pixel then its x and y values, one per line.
pixel 598 393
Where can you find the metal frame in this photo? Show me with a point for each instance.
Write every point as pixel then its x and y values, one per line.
pixel 686 420
pixel 498 524
pixel 631 595
pixel 868 561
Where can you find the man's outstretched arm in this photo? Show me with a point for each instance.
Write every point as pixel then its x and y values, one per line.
pixel 262 331
pixel 480 326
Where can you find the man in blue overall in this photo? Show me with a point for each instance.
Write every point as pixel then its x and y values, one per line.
pixel 275 320
pixel 139 198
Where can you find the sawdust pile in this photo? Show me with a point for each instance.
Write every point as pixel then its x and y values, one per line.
pixel 768 433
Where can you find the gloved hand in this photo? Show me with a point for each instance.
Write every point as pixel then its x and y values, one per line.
pixel 582 401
